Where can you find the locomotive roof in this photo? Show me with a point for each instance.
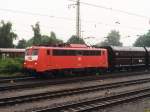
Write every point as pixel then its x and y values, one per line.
pixel 11 50
pixel 71 48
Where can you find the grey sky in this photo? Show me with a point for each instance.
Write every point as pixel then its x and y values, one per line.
pixel 96 22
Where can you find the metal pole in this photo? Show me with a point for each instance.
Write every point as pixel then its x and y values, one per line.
pixel 78 29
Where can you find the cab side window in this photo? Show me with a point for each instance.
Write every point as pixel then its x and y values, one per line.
pixel 48 52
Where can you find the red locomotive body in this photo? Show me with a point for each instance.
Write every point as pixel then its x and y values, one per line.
pixel 42 59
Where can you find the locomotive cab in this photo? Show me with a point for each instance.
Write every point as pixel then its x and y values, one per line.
pixel 31 58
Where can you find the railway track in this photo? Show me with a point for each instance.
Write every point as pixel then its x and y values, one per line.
pixel 106 75
pixel 11 77
pixel 16 79
pixel 57 94
pixel 31 82
pixel 98 103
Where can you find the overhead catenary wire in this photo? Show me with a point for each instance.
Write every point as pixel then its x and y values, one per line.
pixel 113 9
pixel 71 19
pixel 64 18
pixel 34 14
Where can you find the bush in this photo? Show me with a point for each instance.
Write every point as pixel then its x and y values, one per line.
pixel 11 65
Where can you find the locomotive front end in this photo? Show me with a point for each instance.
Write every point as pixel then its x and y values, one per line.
pixel 31 59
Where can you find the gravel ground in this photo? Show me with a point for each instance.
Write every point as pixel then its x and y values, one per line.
pixel 52 102
pixel 59 87
pixel 141 105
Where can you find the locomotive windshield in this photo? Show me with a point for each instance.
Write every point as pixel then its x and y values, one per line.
pixel 34 52
pixel 31 54
pixel 27 52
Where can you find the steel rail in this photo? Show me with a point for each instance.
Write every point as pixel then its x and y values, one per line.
pixel 98 103
pixel 56 94
pixel 40 82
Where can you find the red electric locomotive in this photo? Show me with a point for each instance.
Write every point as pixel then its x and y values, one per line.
pixel 48 59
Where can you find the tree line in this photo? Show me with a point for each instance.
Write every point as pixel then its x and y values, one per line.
pixel 7 36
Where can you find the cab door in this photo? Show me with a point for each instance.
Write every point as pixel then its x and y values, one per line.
pixel 48 60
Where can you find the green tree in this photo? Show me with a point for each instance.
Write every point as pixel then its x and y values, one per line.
pixel 75 40
pixel 37 34
pixel 22 43
pixel 46 40
pixel 39 39
pixel 29 42
pixel 113 38
pixel 6 35
pixel 53 35
pixel 53 40
pixel 143 40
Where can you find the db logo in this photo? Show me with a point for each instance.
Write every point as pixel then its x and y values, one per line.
pixel 79 58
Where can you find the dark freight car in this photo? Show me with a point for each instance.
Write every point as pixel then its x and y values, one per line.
pixel 126 57
pixel 148 56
